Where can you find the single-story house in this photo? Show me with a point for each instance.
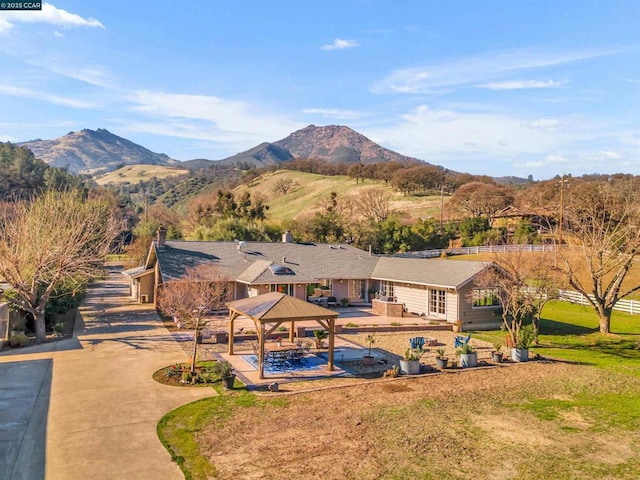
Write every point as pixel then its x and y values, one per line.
pixel 439 289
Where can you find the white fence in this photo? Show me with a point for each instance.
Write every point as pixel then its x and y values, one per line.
pixel 629 306
pixel 474 250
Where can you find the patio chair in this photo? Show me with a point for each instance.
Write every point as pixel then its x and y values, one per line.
pixel 417 343
pixel 461 340
pixel 332 302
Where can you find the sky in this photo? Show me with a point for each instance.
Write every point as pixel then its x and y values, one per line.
pixel 493 87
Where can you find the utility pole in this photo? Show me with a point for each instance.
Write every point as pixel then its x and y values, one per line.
pixel 562 183
pixel 441 209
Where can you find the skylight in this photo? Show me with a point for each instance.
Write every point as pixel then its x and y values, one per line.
pixel 281 270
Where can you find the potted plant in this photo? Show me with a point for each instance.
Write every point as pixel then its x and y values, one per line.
pixel 468 356
pixel 410 363
pixel 496 355
pixel 344 302
pixel 457 326
pixel 520 352
pixel 441 359
pixel 224 370
pixel 319 336
pixel 367 360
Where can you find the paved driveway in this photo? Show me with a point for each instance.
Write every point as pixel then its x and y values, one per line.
pixel 87 407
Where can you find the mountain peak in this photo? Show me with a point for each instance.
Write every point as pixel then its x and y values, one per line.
pixel 94 151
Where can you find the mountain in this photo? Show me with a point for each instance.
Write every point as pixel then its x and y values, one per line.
pixel 94 151
pixel 333 143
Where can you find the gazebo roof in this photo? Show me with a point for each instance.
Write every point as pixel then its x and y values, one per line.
pixel 278 307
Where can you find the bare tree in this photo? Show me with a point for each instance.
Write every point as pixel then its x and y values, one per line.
pixel 602 224
pixel 192 299
pixel 373 204
pixel 284 185
pixel 523 282
pixel 478 199
pixel 59 238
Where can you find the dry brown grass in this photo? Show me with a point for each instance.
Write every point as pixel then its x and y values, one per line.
pixel 459 425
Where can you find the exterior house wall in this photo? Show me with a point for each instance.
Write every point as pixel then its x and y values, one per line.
pixel 414 297
pixel 146 287
pixel 300 291
pixel 340 290
pixel 240 290
pixel 452 309
pixel 479 318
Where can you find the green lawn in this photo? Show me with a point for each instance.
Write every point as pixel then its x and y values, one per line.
pixel 570 332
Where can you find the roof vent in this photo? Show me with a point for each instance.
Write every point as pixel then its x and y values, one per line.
pixel 240 245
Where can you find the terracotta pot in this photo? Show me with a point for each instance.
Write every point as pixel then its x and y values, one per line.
pixel 367 360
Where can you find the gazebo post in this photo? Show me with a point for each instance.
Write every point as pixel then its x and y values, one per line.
pixel 261 351
pixel 292 332
pixel 332 328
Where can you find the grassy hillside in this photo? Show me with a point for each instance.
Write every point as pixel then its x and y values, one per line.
pixel 137 173
pixel 311 192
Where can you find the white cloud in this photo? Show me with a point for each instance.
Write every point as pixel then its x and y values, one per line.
pixel 48 14
pixel 551 124
pixel 339 44
pixel 429 134
pixel 336 113
pixel 602 155
pixel 233 122
pixel 47 97
pixel 523 84
pixel 478 69
pixel 549 160
pixel 93 75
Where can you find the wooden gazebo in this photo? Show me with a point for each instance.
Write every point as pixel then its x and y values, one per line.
pixel 271 310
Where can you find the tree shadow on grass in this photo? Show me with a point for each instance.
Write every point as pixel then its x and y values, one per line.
pixel 553 327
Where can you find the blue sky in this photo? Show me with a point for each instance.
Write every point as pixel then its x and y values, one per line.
pixel 487 87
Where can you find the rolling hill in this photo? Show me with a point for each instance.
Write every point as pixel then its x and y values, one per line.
pixel 133 174
pixel 311 192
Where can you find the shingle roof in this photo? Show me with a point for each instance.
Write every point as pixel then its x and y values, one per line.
pixel 309 262
pixel 427 271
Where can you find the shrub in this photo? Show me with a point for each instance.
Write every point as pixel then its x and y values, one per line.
pixel 18 340
pixel 465 350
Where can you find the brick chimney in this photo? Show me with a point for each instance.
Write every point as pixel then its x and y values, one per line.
pixel 162 237
pixel 287 237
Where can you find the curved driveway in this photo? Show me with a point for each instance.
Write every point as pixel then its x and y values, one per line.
pixel 86 407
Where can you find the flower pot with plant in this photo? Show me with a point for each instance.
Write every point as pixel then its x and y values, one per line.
pixel 319 336
pixel 225 371
pixel 367 360
pixel 441 359
pixel 344 302
pixel 410 363
pixel 468 356
pixel 520 351
pixel 496 355
pixel 457 326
